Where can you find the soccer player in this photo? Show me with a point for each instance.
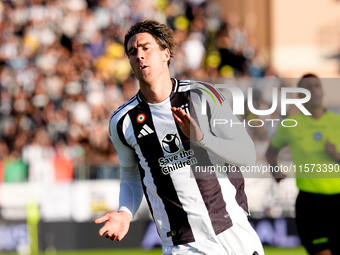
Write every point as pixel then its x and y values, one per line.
pixel 314 143
pixel 163 143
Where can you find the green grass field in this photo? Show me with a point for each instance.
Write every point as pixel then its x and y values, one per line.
pixel 268 251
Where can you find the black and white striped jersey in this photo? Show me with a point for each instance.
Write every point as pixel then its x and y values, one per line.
pixel 186 202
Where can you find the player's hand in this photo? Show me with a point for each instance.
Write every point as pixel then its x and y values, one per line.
pixel 188 126
pixel 116 225
pixel 278 176
pixel 330 148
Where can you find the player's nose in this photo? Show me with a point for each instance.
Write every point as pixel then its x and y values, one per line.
pixel 140 54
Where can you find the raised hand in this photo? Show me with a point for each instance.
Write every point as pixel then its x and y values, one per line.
pixel 188 125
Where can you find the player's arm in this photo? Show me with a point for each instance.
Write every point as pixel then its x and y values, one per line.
pixel 238 151
pixel 271 156
pixel 331 149
pixel 131 192
pixel 117 223
pixel 281 139
pixel 224 134
pixel 232 145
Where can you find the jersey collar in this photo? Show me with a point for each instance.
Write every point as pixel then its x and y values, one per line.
pixel 175 86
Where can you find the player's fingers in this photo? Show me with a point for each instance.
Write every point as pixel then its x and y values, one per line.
pixel 103 230
pixel 101 219
pixel 181 112
pixel 184 116
pixel 178 111
pixel 120 235
pixel 113 237
pixel 175 111
pixel 110 234
pixel 177 119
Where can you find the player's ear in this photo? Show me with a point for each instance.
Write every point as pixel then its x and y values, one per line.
pixel 166 55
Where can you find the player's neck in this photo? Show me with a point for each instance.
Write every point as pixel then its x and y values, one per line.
pixel 317 112
pixel 157 91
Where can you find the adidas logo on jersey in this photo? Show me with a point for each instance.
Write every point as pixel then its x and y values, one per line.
pixel 146 130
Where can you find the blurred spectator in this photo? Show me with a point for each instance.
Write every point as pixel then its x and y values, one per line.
pixel 62 165
pixel 38 155
pixel 3 153
pixel 15 170
pixel 194 51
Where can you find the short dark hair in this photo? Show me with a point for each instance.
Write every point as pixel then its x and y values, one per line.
pixel 162 33
pixel 307 76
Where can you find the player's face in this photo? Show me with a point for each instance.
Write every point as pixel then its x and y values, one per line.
pixel 315 88
pixel 147 59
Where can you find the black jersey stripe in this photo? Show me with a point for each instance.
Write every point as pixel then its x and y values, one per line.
pixel 142 175
pixel 151 149
pixel 208 184
pixel 120 131
pixel 124 105
pixel 117 111
pixel 237 180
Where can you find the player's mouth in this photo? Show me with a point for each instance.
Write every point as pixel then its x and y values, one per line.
pixel 142 67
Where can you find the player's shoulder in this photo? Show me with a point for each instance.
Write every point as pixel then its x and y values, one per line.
pixel 123 109
pixel 332 116
pixel 211 92
pixel 328 115
pixel 296 116
pixel 185 85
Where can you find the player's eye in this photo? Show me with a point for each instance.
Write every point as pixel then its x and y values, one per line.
pixel 132 52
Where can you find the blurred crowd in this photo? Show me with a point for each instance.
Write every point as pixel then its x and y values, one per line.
pixel 63 72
